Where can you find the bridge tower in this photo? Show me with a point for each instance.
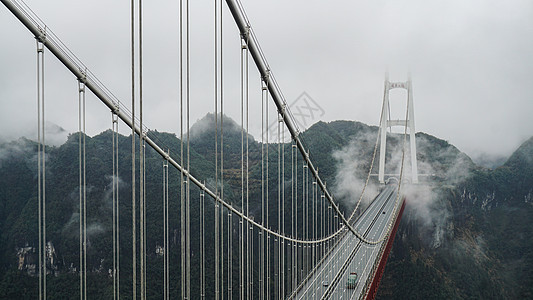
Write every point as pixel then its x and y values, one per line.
pixel 386 123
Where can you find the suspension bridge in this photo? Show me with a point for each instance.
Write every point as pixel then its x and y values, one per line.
pixel 298 244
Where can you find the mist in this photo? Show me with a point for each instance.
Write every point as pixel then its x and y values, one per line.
pixel 440 166
pixel 55 135
pixel 353 165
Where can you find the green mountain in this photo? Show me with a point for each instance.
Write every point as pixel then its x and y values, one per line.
pixel 464 234
pixel 484 251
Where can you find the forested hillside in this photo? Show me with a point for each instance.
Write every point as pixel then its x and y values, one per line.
pixel 477 243
pixel 465 232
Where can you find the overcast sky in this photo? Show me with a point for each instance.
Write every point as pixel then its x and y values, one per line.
pixel 470 61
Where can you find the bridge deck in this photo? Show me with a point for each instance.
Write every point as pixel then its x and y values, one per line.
pixel 372 223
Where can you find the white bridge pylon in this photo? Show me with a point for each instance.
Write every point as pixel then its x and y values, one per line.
pixel 386 123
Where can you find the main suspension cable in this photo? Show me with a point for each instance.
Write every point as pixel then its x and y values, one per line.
pixel 103 94
pixel 220 201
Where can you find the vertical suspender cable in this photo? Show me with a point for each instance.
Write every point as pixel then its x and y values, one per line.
pixel 267 132
pixel 117 210
pixel 167 204
pixel 165 230
pixel 216 153
pixel 230 247
pixel 41 169
pixel 84 206
pixel 315 217
pixel 39 191
pixel 306 216
pixel 187 196
pixel 241 239
pixel 202 244
pixel 322 223
pixel 43 161
pixel 83 192
pixel 250 244
pixel 141 161
pixel 282 230
pixel 242 275
pixel 133 204
pixel 144 213
pixel 116 228
pixel 230 253
pixel 288 246
pixel 278 246
pixel 302 246
pixel 81 186
pixel 113 274
pixel 313 222
pixel 113 178
pixel 328 225
pixel 304 224
pixel 308 225
pixel 310 220
pixel 262 248
pixel 182 194
pixel 307 229
pixel 295 223
pixel 221 69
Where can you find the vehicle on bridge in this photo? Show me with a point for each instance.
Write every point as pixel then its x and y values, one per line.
pixel 352 280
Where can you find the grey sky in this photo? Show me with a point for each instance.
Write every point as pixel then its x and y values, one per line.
pixel 470 63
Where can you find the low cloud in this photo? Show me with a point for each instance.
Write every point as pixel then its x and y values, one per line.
pixel 95 225
pixel 353 166
pixel 55 135
pixel 15 149
pixel 438 162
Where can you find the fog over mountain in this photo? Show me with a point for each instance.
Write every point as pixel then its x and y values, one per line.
pixel 464 234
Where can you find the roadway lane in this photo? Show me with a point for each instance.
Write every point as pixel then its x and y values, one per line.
pixel 365 257
pixel 371 223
